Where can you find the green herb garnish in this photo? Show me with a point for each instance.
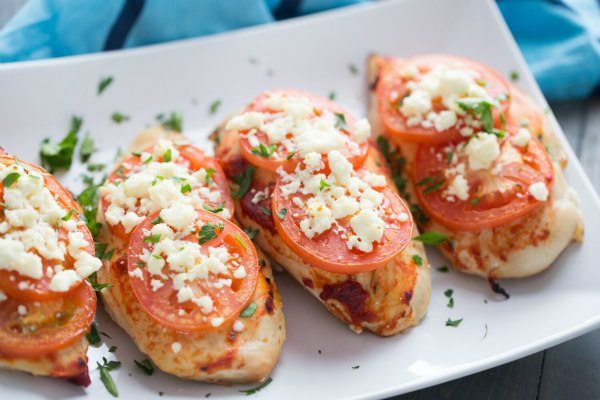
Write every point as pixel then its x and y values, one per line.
pixel 353 69
pixel 282 213
pixel 264 151
pixel 332 95
pixel 249 310
pixel 323 185
pixel 157 221
pixel 145 365
pixel 96 167
pixel 103 84
pixel 68 215
pixel 453 323
pixel 217 209
pixel 209 232
pixel 443 268
pixel 431 238
pixel 105 377
pixel 340 121
pixel 152 238
pixel 514 76
pixel 292 154
pixel 214 106
pixel 244 180
pixel 417 259
pixel 60 155
pixel 167 156
pixel 93 337
pixel 173 121
pixel 10 179
pixel 239 239
pixel 118 117
pixel 87 148
pixel 250 232
pixel 186 188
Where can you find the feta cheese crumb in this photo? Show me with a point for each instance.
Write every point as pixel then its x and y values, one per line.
pixel 175 347
pixel 522 137
pixel 538 191
pixel 482 150
pixel 238 326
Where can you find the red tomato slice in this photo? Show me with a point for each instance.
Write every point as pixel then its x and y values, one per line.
pixel 392 88
pixel 228 301
pixel 486 206
pixel 26 289
pixel 47 326
pixel 280 156
pixel 329 251
pixel 192 158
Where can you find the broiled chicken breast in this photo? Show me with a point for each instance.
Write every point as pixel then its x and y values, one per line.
pixel 240 351
pixel 385 301
pixel 518 249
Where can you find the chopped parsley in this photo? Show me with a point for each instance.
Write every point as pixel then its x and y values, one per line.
pixel 482 109
pixel 93 280
pixel 60 155
pixel 431 238
pixel 474 201
pixel 105 377
pixel 449 293
pixel 453 323
pixel 157 221
pixel 217 209
pixel 68 215
pixel 340 121
pixel 10 179
pixel 323 185
pixel 514 76
pixel 264 151
pixel 118 117
pixel 209 232
pixel 112 349
pixel 266 211
pixel 332 95
pixel 168 155
pixel 251 232
pixel 87 148
pixel 152 238
pixel 173 121
pixel 145 365
pixel 256 389
pixel 209 173
pixel 417 259
pixel 282 213
pixel 356 367
pixel 353 69
pixel 443 268
pixel 186 188
pixel 103 84
pixel 436 185
pixel 93 337
pixel 249 310
pixel 244 180
pixel 292 154
pixel 96 167
pixel 214 106
pixel 88 199
pixel 450 302
pixel 449 156
pixel 239 239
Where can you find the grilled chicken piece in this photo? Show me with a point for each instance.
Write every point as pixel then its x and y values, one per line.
pixel 68 363
pixel 521 248
pixel 221 355
pixel 385 301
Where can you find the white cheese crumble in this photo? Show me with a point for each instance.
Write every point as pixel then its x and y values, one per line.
pixel 459 187
pixel 341 194
pixel 175 347
pixel 539 191
pixel 482 150
pixel 445 86
pixel 159 185
pixel 238 326
pixel 295 125
pixel 522 137
pixel 34 230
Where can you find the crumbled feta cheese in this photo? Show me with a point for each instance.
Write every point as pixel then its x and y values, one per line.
pixel 522 137
pixel 539 191
pixel 482 150
pixel 216 321
pixel 175 347
pixel 459 187
pixel 238 326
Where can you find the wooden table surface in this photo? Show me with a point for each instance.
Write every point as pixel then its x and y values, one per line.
pixel 567 371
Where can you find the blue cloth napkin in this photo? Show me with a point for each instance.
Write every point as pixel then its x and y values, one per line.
pixel 559 38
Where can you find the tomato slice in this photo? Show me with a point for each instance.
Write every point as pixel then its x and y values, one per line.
pixel 497 196
pixel 392 87
pixel 191 158
pixel 328 250
pixel 227 301
pixel 287 158
pixel 24 288
pixel 46 326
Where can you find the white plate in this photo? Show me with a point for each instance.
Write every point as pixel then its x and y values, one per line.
pixel 313 53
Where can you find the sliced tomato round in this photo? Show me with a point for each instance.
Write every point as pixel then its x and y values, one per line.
pixel 328 250
pixel 282 157
pixel 392 88
pixel 32 329
pixel 24 288
pixel 497 196
pixel 163 305
pixel 192 158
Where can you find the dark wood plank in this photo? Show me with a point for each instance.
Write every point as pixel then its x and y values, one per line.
pixel 514 381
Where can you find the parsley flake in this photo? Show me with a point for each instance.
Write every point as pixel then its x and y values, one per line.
pixel 214 106
pixel 282 213
pixel 60 155
pixel 173 121
pixel 323 185
pixel 256 389
pixel 103 84
pixel 209 232
pixel 152 238
pixel 264 151
pixel 250 232
pixel 239 239
pixel 118 117
pixel 340 121
pixel 93 337
pixel 417 259
pixel 87 148
pixel 431 238
pixel 249 310
pixel 145 365
pixel 217 209
pixel 244 180
pixel 453 323
pixel 10 179
pixel 105 377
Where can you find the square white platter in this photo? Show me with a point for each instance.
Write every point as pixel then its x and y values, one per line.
pixel 311 53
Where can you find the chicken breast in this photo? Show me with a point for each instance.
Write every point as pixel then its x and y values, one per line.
pixel 68 363
pixel 384 301
pixel 224 355
pixel 519 249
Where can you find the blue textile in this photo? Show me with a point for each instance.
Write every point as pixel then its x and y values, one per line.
pixel 559 38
